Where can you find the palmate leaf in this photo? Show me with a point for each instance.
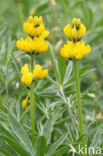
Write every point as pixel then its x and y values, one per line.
pixel 47 129
pixel 56 145
pixel 20 133
pixel 13 143
pixel 40 147
pixel 7 137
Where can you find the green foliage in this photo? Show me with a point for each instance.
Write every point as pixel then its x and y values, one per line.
pixel 56 102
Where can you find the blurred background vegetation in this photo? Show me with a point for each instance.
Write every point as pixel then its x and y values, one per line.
pixel 55 14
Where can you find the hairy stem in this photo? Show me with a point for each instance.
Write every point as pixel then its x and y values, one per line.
pixel 79 102
pixel 32 104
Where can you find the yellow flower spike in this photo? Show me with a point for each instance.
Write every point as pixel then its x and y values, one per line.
pixel 67 30
pixel 34 26
pixel 75 50
pixel 25 103
pixel 27 78
pixel 76 31
pixel 36 45
pixel 24 69
pixel 35 42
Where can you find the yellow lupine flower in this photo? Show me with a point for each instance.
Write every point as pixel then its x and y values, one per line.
pixel 39 45
pixel 34 26
pixel 37 70
pixel 35 42
pixel 36 45
pixel 27 78
pixel 25 103
pixel 45 34
pixel 25 44
pixel 75 50
pixel 76 31
pixel 38 73
pixel 43 74
pixel 76 21
pixel 38 20
pixel 81 31
pixel 67 30
pixel 24 69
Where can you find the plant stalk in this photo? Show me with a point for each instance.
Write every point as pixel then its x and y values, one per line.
pixel 79 102
pixel 32 103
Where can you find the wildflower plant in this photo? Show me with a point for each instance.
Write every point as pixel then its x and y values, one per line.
pixel 75 50
pixel 33 44
pixel 44 117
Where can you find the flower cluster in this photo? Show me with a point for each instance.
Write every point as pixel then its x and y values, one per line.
pixel 35 27
pixel 28 77
pixel 35 41
pixel 36 45
pixel 75 47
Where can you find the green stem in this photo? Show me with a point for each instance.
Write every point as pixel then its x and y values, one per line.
pixel 79 102
pixel 32 104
